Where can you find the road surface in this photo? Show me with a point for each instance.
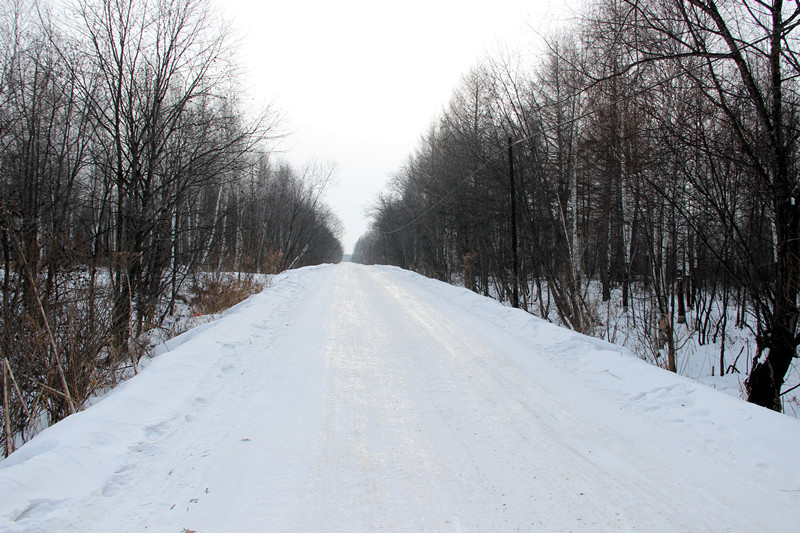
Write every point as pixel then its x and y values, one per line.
pixel 348 398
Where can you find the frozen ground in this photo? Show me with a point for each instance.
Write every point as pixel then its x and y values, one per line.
pixel 351 398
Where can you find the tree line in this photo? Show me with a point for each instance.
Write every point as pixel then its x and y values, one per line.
pixel 127 167
pixel 655 150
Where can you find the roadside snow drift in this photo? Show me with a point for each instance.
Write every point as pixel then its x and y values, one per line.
pixel 350 398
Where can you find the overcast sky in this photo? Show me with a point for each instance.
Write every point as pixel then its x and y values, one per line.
pixel 360 81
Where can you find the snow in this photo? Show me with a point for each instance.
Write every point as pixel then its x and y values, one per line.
pixel 350 398
pixel 697 356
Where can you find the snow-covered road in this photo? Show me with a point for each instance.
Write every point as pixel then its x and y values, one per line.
pixel 350 398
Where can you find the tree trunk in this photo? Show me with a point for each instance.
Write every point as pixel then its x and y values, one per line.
pixel 680 294
pixel 767 377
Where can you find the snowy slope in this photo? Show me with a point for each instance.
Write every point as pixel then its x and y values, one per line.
pixel 350 398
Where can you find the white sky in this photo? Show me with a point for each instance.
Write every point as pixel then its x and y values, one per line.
pixel 360 81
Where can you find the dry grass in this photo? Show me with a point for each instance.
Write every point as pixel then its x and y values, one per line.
pixel 218 293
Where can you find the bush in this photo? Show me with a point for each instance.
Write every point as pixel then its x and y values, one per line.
pixel 219 292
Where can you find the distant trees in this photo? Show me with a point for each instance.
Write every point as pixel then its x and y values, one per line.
pixel 127 167
pixel 656 153
pixel 283 219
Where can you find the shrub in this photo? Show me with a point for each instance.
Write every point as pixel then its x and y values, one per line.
pixel 218 292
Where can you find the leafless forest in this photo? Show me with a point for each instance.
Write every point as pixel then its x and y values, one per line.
pixel 128 169
pixel 655 153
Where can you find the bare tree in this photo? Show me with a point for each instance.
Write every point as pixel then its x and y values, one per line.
pixel 745 64
pixel 165 123
pixel 121 147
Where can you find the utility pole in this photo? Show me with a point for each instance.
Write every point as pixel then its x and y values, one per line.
pixel 514 257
